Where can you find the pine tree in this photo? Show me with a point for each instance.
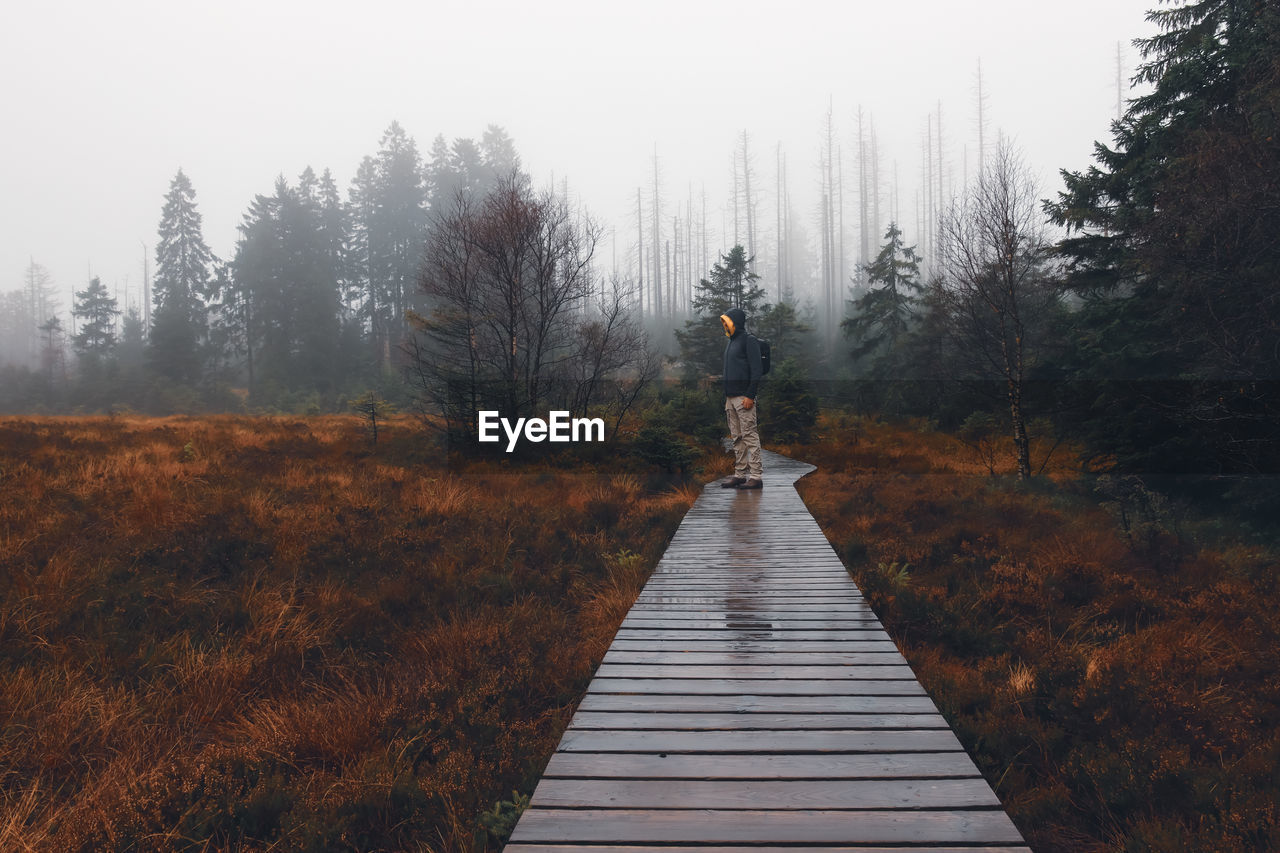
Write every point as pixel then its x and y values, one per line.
pixel 183 265
pixel 97 310
pixel 882 314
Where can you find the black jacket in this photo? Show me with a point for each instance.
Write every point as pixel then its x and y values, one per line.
pixel 742 365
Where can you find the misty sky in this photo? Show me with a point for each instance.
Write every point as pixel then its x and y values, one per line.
pixel 103 102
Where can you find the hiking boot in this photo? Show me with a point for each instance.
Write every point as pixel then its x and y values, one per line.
pixel 753 483
pixel 732 482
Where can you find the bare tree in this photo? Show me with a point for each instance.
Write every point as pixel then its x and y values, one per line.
pixel 980 99
pixel 640 251
pixel 994 260
pixel 656 268
pixel 514 324
pixel 748 198
pixel 614 361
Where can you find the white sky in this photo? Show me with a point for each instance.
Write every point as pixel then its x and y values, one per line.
pixel 104 101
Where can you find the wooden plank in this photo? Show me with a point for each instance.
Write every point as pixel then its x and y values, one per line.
pixel 727 606
pixel 743 671
pixel 805 584
pixel 838 604
pixel 746 722
pixel 799 578
pixel 799 550
pixel 695 533
pixel 789 672
pixel 746 704
pixel 756 658
pixel 700 848
pixel 759 794
pixel 760 743
pixel 766 826
pixel 867 765
pixel 779 571
pixel 782 557
pixel 624 644
pixel 761 687
pixel 853 633
pixel 723 552
pixel 821 581
pixel 829 601
pixel 734 623
pixel 798 584
pixel 765 583
pixel 745 615
pixel 694 614
pixel 773 598
pixel 715 537
pixel 806 587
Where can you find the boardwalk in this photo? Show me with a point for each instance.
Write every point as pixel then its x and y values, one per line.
pixel 751 698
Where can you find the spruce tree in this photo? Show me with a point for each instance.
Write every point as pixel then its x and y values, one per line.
pixel 53 357
pixel 388 204
pixel 1173 247
pixel 882 314
pixel 183 264
pixel 441 183
pixel 285 301
pixel 97 310
pixel 335 231
pixel 17 324
pixel 131 347
pixel 731 284
pixel 362 202
pixel 401 229
pixel 468 167
pixel 498 154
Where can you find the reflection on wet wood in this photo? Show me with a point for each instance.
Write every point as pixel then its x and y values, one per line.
pixel 752 698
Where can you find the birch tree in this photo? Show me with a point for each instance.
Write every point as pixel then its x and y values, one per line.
pixel 993 254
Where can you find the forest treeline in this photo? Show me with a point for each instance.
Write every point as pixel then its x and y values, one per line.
pixel 1135 314
pixel 308 310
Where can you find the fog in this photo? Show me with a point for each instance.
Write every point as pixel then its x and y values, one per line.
pixel 105 102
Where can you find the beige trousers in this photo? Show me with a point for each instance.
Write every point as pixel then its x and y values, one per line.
pixel 748 461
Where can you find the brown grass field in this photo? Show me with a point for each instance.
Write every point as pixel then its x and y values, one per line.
pixel 1119 688
pixel 263 634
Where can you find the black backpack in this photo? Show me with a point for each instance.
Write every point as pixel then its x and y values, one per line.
pixel 765 360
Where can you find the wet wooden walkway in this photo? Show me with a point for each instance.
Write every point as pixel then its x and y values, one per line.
pixel 752 700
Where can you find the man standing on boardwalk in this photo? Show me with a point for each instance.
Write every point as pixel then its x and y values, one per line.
pixel 742 372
